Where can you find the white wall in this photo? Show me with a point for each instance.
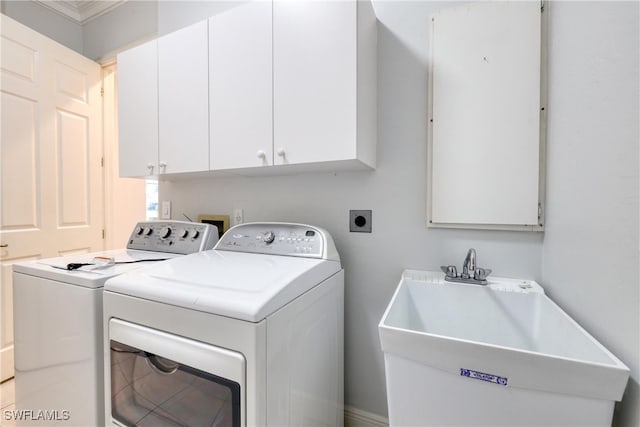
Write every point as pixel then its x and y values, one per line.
pixel 590 249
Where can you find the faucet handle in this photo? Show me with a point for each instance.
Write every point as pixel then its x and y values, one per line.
pixel 449 270
pixel 482 273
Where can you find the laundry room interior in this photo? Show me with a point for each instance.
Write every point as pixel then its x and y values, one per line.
pixel 378 205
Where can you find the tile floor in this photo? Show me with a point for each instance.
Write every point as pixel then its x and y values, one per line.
pixel 7 403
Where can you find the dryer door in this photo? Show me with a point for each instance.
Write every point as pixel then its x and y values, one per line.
pixel 159 379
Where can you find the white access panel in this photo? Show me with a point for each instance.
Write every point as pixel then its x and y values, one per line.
pixel 485 121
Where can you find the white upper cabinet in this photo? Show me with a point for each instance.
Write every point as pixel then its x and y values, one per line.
pixel 183 80
pixel 138 110
pixel 263 84
pixel 240 87
pixel 487 116
pixel 324 82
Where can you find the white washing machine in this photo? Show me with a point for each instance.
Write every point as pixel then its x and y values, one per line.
pixel 247 334
pixel 58 321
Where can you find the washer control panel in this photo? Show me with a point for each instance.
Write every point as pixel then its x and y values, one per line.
pixel 279 239
pixel 178 237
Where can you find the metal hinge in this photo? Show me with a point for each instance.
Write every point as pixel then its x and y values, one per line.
pixel 102 91
pixel 541 5
pixel 539 211
pixel 103 233
pixel 102 161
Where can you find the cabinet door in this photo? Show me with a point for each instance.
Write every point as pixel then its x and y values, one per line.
pixel 314 63
pixel 240 87
pixel 138 110
pixel 183 81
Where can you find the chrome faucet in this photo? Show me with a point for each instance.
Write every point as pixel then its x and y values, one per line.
pixel 470 272
pixel 469 265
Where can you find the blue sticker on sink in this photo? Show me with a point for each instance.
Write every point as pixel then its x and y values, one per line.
pixel 491 378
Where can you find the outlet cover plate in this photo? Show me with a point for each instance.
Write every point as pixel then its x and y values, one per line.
pixel 165 212
pixel 360 221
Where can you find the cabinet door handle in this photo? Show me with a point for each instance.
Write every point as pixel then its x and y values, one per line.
pixel 150 167
pixel 281 152
pixel 261 154
pixel 4 245
pixel 163 167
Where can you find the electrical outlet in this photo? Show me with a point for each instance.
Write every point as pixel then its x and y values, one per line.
pixel 360 221
pixel 238 216
pixel 165 212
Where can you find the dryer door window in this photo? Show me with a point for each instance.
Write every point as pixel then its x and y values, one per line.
pixel 150 389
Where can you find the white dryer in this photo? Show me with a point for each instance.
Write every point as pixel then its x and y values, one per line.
pixel 247 334
pixel 58 321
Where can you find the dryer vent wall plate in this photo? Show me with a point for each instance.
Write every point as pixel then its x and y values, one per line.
pixel 360 221
pixel 220 221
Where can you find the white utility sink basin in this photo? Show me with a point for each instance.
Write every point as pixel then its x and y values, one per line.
pixel 501 354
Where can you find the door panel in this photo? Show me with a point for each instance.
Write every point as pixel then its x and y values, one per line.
pixel 73 171
pixel 51 178
pixel 19 163
pixel 24 61
pixel 71 83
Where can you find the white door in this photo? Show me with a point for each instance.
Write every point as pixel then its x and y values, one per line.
pixel 51 149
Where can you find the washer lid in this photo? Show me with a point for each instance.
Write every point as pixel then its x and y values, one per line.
pixel 88 277
pixel 240 285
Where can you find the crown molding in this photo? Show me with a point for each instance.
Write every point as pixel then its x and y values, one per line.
pixel 80 11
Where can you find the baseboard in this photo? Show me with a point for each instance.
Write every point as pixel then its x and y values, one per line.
pixel 354 417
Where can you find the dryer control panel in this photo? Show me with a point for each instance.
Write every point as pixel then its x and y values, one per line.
pixel 178 237
pixel 280 239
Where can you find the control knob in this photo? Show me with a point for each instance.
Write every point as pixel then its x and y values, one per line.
pixel 183 233
pixel 148 231
pixel 195 234
pixel 139 230
pixel 268 237
pixel 165 232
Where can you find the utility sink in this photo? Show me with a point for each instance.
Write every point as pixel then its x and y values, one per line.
pixel 504 353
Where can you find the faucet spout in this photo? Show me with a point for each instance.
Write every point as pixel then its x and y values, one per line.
pixel 469 266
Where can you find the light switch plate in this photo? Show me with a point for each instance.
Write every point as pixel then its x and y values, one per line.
pixel 238 216
pixel 165 212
